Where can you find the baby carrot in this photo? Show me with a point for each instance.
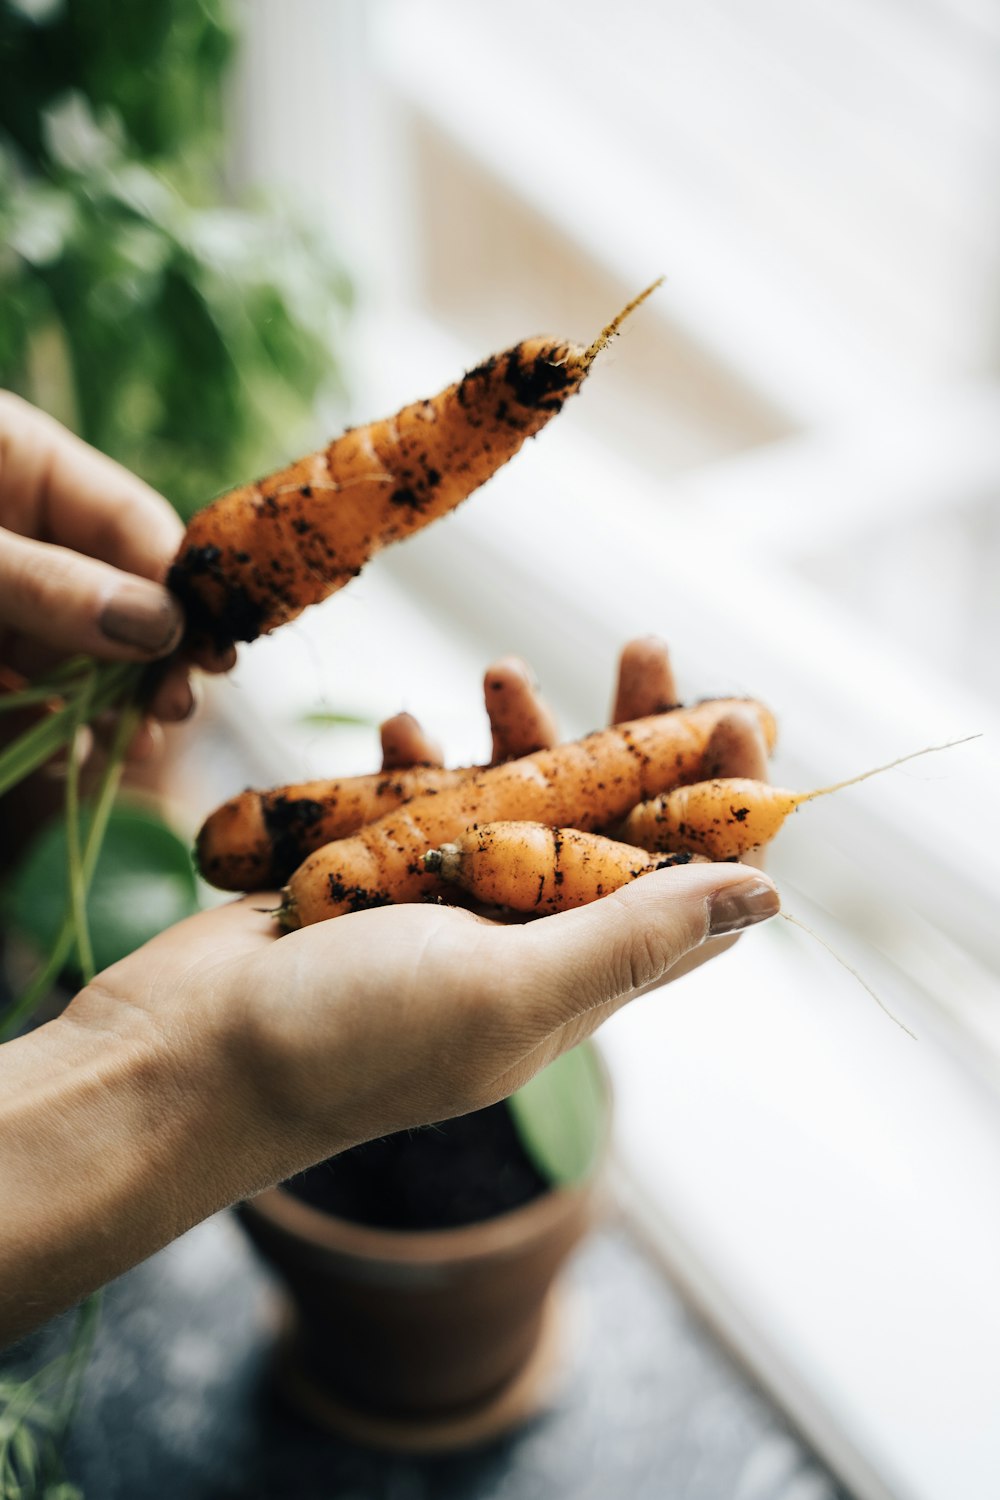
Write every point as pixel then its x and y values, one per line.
pixel 532 868
pixel 587 784
pixel 257 839
pixel 726 817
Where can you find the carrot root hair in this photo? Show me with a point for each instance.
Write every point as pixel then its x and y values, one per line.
pixel 838 786
pixel 607 333
pixel 843 961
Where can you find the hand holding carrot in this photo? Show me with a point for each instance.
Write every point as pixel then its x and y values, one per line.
pixel 219 1059
pixel 84 549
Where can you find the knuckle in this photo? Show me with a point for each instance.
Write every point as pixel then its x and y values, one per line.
pixel 32 584
pixel 646 947
pixel 125 517
pixel 44 580
pixel 640 959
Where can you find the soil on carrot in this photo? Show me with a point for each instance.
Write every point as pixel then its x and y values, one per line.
pixel 439 1177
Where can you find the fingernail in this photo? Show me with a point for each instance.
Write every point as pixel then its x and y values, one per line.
pixel 144 616
pixel 739 906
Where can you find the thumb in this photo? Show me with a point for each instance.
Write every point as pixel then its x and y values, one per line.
pixel 77 604
pixel 599 956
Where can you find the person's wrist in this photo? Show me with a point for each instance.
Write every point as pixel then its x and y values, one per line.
pixel 183 1092
pixel 284 1079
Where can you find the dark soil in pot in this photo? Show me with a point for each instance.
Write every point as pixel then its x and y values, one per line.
pixel 420 1274
pixel 462 1171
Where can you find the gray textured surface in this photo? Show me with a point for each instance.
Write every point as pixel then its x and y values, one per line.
pixel 177 1403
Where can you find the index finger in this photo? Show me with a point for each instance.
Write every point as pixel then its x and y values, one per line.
pixel 56 488
pixel 521 722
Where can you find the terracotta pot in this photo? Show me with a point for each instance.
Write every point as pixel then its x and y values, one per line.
pixel 425 1339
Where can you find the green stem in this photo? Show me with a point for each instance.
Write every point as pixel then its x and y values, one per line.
pixel 63 671
pixel 99 690
pixel 26 697
pixel 62 947
pixel 28 1000
pixel 74 868
pixel 111 684
pixel 52 685
pixel 128 722
pixel 78 1357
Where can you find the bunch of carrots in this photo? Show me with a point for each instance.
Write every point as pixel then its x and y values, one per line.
pixel 543 827
pixel 527 832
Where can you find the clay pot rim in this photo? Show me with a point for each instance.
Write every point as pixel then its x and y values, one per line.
pixel 485 1238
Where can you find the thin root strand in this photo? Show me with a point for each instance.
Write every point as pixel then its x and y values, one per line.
pixel 607 333
pixel 845 965
pixel 838 786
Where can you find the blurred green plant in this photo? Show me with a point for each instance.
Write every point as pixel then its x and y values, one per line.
pixel 193 342
pixel 143 882
pixel 562 1116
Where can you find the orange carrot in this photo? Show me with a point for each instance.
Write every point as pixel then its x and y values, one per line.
pixel 262 553
pixel 727 817
pixel 257 839
pixel 532 868
pixel 587 784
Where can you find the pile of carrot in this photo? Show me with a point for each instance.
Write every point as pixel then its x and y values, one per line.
pixel 527 832
pixel 588 785
pixel 541 828
pixel 549 830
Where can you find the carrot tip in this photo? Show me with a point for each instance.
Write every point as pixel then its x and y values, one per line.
pixel 611 329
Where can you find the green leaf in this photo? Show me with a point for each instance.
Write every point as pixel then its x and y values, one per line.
pixel 25 1450
pixel 328 719
pixel 144 882
pixel 562 1116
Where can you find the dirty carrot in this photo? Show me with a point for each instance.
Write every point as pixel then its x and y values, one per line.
pixel 262 553
pixel 533 868
pixel 257 839
pixel 726 817
pixel 587 784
